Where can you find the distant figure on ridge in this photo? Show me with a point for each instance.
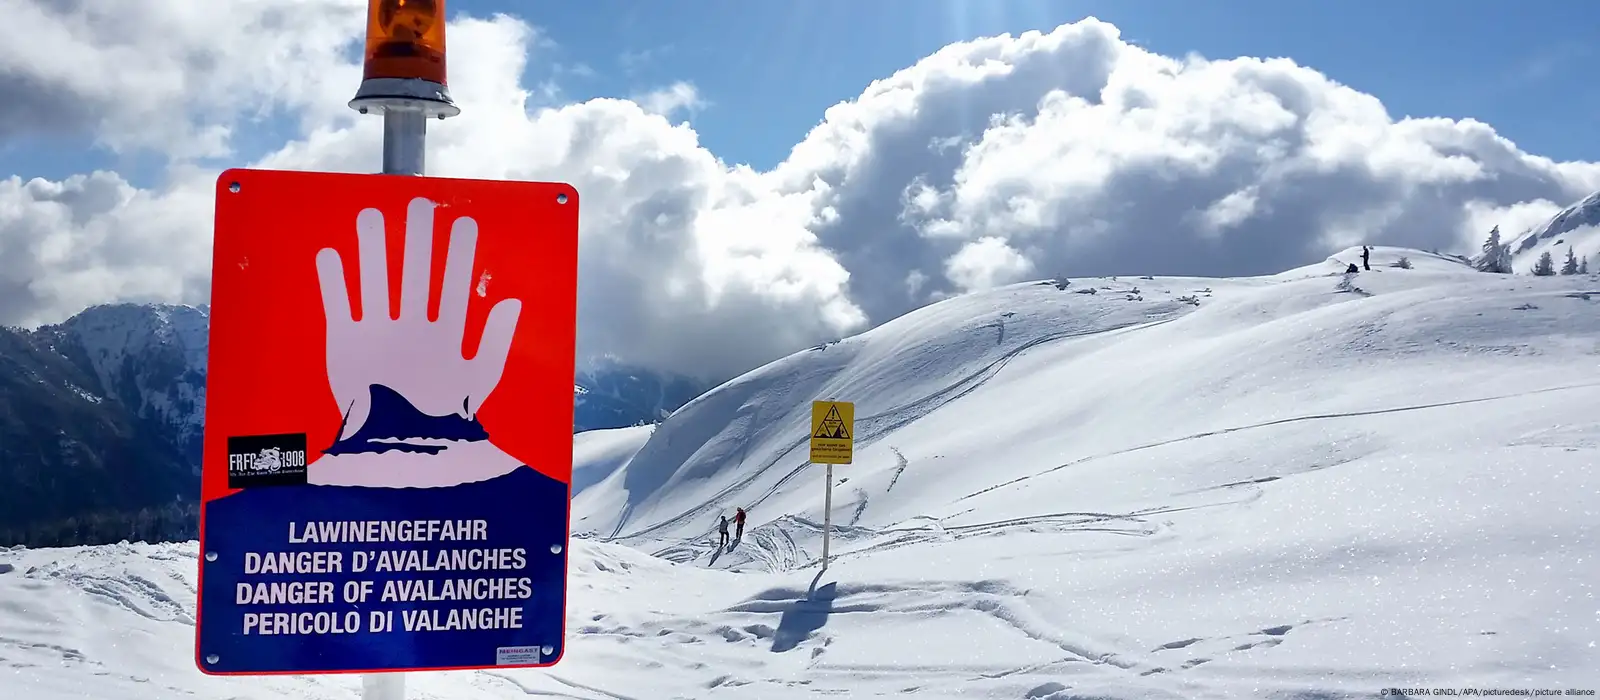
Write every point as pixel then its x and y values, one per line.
pixel 738 522
pixel 1366 257
pixel 722 529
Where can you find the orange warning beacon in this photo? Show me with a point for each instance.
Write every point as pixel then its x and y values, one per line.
pixel 405 39
pixel 405 60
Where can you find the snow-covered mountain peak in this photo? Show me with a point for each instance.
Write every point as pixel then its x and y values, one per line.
pixel 607 394
pixel 118 330
pixel 151 357
pixel 1577 228
pixel 1584 212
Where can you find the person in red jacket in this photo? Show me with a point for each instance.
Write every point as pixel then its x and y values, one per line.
pixel 738 523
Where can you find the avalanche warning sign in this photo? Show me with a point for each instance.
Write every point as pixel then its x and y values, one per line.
pixel 386 480
pixel 832 432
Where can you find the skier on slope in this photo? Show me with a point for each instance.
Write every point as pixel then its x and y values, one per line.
pixel 722 530
pixel 738 522
pixel 1366 258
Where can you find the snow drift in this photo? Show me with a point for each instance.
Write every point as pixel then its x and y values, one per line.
pixel 596 454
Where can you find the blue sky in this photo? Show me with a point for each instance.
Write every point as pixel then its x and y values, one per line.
pixel 769 69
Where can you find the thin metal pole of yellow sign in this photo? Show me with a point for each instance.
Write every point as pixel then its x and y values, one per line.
pixel 827 517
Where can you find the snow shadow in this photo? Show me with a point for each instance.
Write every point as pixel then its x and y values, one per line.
pixel 805 616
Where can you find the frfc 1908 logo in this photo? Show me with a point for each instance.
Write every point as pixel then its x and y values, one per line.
pixel 266 460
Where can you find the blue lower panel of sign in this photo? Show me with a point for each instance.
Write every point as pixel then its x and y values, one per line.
pixel 312 579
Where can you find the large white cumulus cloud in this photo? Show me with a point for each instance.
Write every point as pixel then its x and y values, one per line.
pixel 1076 153
pixel 1068 152
pixel 184 76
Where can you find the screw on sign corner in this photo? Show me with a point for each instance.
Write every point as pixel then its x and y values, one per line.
pixel 233 187
pixel 561 198
pixel 211 556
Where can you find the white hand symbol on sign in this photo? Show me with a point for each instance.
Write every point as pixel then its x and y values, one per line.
pixel 423 361
pixel 419 359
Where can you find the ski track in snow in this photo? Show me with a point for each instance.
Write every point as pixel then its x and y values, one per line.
pixel 900 468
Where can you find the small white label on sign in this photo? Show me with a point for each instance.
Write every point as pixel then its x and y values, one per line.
pixel 505 656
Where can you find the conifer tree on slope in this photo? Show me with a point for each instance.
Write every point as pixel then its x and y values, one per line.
pixel 1546 266
pixel 1495 257
pixel 1583 265
pixel 1570 267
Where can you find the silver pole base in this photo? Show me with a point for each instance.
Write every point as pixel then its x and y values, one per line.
pixel 379 95
pixel 406 105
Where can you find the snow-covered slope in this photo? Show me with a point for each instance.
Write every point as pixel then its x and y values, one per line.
pixel 1383 258
pixel 1100 359
pixel 1308 485
pixel 1577 228
pixel 597 454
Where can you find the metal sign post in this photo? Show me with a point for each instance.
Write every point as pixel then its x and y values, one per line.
pixel 407 89
pixel 827 516
pixel 833 430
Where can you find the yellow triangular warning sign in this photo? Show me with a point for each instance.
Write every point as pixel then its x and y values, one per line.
pixel 832 426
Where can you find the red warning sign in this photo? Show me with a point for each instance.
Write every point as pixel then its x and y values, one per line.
pixel 388 446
